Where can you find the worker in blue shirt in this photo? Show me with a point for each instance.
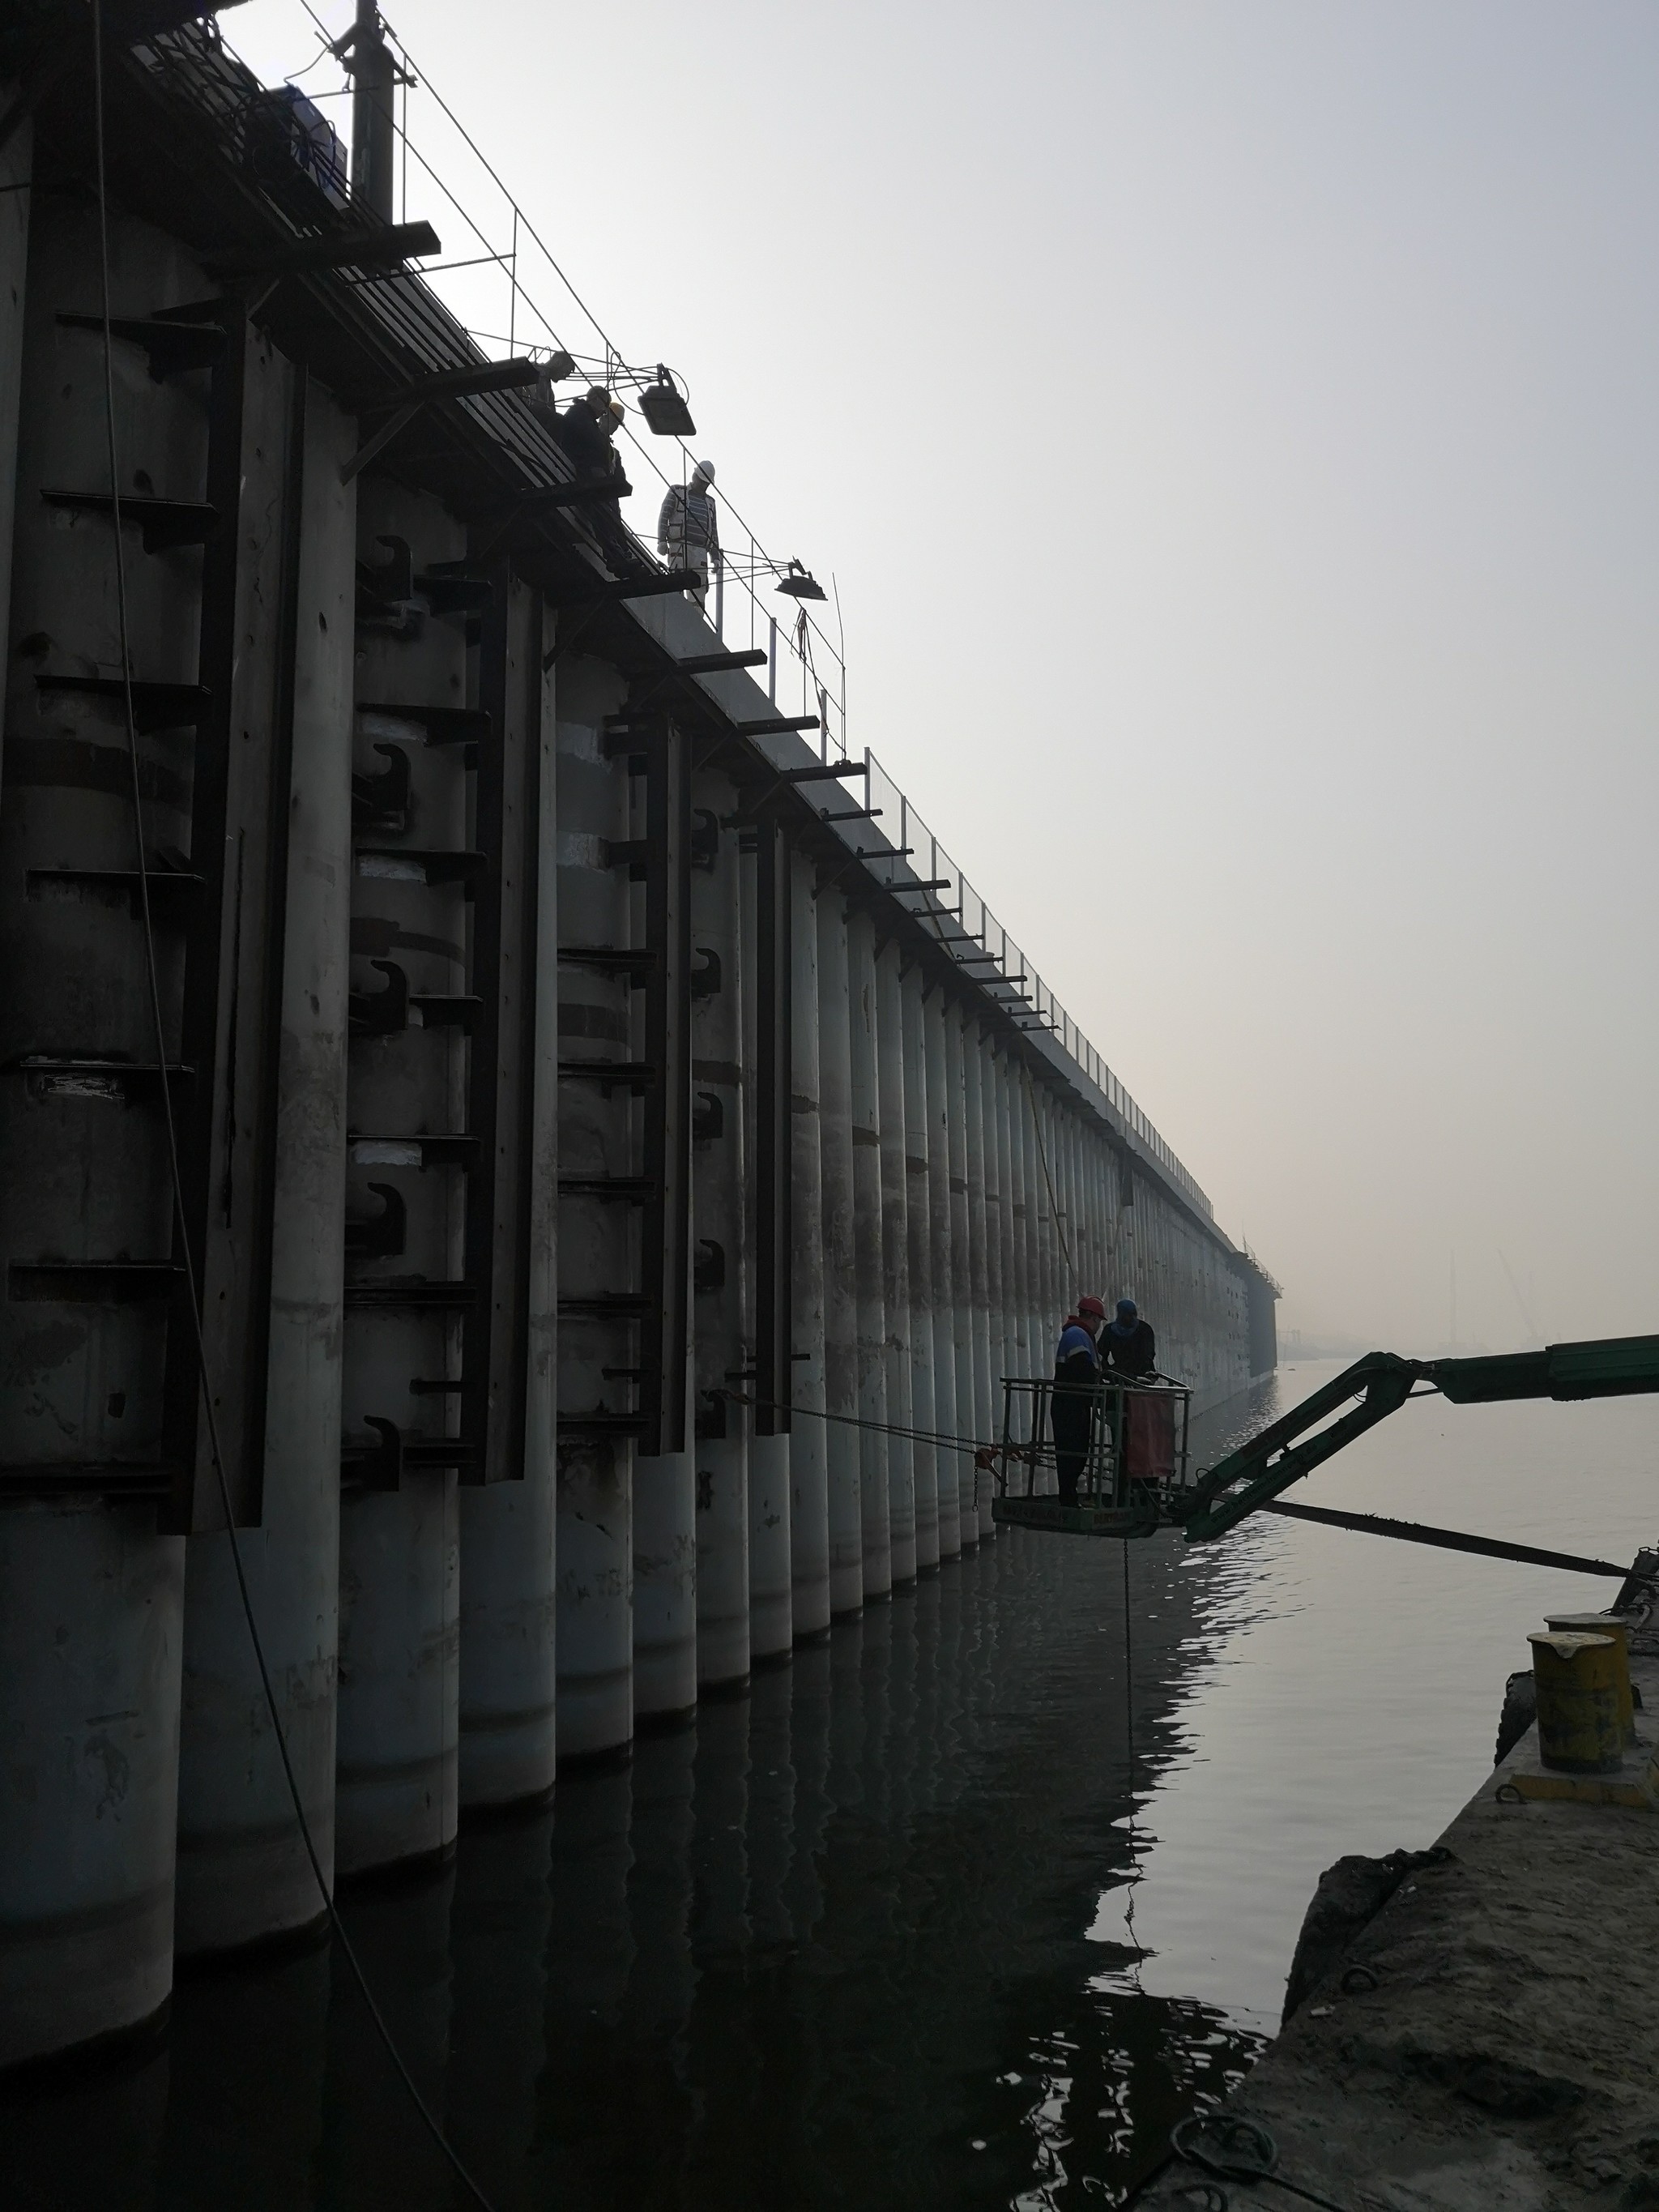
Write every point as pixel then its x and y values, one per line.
pixel 1077 1379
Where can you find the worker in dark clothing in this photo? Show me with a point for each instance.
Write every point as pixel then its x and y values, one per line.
pixel 586 429
pixel 1077 1380
pixel 1128 1345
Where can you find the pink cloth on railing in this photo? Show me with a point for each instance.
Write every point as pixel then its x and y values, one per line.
pixel 1148 1437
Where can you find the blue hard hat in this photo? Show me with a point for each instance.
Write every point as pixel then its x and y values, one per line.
pixel 1126 1310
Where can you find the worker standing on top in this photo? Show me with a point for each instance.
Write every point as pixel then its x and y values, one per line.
pixel 688 534
pixel 1128 1345
pixel 1077 1382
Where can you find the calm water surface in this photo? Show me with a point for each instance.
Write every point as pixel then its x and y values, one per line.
pixel 961 1910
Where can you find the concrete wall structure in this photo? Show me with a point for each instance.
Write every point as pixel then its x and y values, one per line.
pixel 615 1186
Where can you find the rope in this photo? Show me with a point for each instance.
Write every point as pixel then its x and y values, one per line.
pixel 853 1421
pixel 192 1289
pixel 1236 2150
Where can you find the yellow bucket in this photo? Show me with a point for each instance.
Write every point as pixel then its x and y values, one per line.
pixel 1616 1625
pixel 1576 1678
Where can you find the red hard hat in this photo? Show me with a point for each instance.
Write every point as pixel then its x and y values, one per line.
pixel 1092 1305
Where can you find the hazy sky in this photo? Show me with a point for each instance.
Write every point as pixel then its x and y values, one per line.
pixel 1232 428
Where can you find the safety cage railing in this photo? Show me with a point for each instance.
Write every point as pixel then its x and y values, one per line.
pixel 1135 1461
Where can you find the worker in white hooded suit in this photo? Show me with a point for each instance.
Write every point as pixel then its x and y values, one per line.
pixel 688 534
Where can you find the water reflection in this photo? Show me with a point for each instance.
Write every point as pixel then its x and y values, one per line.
pixel 1351 1692
pixel 850 1943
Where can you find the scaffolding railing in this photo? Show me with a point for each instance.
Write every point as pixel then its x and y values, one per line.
pixel 507 292
pixel 904 854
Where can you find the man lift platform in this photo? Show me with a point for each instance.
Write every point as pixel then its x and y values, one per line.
pixel 1135 1477
pixel 1135 1484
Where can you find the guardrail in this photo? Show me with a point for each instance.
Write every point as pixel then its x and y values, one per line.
pixel 503 284
pixel 903 852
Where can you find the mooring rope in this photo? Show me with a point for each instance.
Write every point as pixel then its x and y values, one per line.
pixel 854 1421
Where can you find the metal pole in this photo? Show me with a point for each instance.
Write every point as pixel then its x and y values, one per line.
pixel 999 1102
pixel 979 1221
pixel 962 1295
pixel 236 1881
pixel 509 1657
pixel 596 1139
pixel 840 1326
pixel 897 1336
pixel 665 1487
pixel 719 1200
pixel 1017 1214
pixel 867 1254
pixel 809 1459
pixel 399 1680
pixel 512 294
pixel 373 136
pixel 768 1255
pixel 918 1134
pixel 947 1293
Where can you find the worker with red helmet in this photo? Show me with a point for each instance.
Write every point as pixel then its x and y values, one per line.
pixel 1077 1381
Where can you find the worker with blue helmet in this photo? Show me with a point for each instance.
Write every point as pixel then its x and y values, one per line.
pixel 1127 1344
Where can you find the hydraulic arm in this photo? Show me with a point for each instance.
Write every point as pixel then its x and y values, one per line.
pixel 1610 1367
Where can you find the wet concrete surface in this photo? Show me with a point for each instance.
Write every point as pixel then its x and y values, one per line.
pixel 1489 2041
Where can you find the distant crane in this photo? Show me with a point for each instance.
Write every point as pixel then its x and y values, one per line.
pixel 1526 1313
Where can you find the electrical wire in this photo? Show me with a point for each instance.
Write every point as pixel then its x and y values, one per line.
pixel 192 1291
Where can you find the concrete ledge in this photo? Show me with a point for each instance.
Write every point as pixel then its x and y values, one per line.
pixel 1508 2058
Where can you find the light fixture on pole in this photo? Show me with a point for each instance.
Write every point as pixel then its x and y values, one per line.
pixel 797 582
pixel 663 405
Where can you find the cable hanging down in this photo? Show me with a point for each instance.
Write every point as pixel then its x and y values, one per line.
pixel 192 1287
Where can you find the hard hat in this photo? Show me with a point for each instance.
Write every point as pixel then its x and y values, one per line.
pixel 597 396
pixel 1092 1305
pixel 619 411
pixel 1126 1309
pixel 703 473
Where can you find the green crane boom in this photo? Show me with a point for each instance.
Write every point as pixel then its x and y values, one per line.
pixel 1609 1367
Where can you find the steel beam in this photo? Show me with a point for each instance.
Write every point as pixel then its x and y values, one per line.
pixel 774 1221
pixel 237 850
pixel 666 1167
pixel 500 1059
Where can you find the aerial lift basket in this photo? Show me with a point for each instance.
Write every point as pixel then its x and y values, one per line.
pixel 1134 1479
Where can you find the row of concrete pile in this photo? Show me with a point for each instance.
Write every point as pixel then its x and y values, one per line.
pixel 407 935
